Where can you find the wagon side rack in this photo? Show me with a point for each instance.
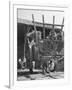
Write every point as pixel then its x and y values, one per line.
pixel 53 28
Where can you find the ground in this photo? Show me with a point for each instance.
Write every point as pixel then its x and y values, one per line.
pixel 38 75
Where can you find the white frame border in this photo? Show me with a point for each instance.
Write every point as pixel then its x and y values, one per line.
pixel 12 57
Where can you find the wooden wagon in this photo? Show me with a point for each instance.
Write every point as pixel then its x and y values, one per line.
pixel 43 51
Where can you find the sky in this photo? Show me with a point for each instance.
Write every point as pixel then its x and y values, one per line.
pixel 48 15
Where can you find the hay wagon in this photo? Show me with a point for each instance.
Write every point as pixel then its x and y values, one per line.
pixel 46 51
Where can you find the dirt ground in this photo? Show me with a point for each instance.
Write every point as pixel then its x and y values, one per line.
pixel 38 75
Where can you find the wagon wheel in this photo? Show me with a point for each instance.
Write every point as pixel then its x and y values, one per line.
pixel 51 66
pixel 24 63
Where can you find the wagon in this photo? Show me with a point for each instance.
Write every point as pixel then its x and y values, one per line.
pixel 44 51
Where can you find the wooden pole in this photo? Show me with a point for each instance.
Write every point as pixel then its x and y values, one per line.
pixel 62 24
pixel 33 22
pixel 53 21
pixel 43 27
pixel 34 28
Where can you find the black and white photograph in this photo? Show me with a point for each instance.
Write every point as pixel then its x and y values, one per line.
pixel 40 44
pixel 36 44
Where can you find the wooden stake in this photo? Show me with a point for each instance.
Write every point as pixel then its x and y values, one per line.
pixel 43 27
pixel 34 29
pixel 62 24
pixel 33 22
pixel 53 21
